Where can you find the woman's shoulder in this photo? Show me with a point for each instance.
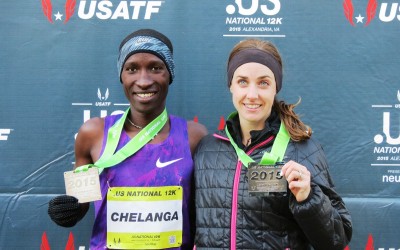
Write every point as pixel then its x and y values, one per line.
pixel 212 141
pixel 307 152
pixel 312 145
pixel 310 153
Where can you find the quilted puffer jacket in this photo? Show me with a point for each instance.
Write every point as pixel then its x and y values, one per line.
pixel 227 217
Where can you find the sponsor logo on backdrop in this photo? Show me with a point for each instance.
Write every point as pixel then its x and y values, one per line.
pixel 62 11
pixel 362 15
pixel 253 18
pixel 100 106
pixel 67 11
pixel 70 244
pixel 103 98
pixel 386 150
pixel 371 244
pixel 4 133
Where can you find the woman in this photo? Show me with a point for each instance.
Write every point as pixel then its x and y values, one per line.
pixel 236 205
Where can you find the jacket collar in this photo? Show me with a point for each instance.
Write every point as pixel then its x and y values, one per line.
pixel 271 127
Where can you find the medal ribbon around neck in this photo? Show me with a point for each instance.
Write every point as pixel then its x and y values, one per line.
pixel 269 158
pixel 111 158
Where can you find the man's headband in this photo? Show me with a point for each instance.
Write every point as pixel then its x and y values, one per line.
pixel 146 44
pixel 257 56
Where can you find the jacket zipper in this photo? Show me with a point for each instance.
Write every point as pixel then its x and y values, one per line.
pixel 236 191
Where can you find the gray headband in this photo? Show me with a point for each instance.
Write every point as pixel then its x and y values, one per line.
pixel 257 56
pixel 146 44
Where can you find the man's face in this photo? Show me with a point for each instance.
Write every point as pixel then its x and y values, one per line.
pixel 145 80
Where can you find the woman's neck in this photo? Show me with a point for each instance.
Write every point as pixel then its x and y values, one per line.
pixel 246 127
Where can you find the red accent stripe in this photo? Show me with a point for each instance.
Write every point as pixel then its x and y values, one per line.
pixel 370 243
pixel 236 191
pixel 45 243
pixel 221 124
pixel 70 243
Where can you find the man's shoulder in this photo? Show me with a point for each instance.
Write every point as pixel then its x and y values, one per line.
pixel 93 123
pixel 196 129
pixel 92 126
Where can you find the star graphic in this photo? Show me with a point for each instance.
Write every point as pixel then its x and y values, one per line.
pixel 359 18
pixel 58 16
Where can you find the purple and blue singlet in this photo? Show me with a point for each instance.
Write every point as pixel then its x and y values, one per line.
pixel 142 170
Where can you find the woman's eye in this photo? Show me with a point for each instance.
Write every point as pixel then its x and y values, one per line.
pixel 242 82
pixel 264 83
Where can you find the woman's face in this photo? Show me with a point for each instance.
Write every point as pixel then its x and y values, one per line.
pixel 253 89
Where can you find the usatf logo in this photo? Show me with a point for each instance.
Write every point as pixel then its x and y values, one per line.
pixel 102 102
pixel 103 98
pixel 69 245
pixel 254 17
pixel 69 10
pixel 105 9
pixel 4 132
pixel 386 13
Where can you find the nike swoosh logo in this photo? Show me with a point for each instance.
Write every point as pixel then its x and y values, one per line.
pixel 160 164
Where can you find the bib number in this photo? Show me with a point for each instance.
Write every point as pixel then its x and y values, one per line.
pixel 144 217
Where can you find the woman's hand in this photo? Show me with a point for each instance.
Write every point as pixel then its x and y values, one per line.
pixel 298 178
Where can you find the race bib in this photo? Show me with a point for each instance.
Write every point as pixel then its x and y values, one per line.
pixel 144 217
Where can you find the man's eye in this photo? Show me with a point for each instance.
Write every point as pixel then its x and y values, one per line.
pixel 131 69
pixel 156 68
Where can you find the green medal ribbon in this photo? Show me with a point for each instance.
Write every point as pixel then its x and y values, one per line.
pixel 111 158
pixel 269 158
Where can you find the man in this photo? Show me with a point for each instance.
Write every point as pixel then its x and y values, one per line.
pixel 163 162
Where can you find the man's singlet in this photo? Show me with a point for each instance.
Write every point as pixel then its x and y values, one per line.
pixel 141 170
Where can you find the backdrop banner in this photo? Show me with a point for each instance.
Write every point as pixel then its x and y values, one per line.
pixel 58 69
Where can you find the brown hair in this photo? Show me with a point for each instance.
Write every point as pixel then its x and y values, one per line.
pixel 297 130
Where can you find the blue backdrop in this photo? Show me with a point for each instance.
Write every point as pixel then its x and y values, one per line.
pixel 58 69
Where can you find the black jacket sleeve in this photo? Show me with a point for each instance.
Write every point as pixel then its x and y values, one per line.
pixel 323 216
